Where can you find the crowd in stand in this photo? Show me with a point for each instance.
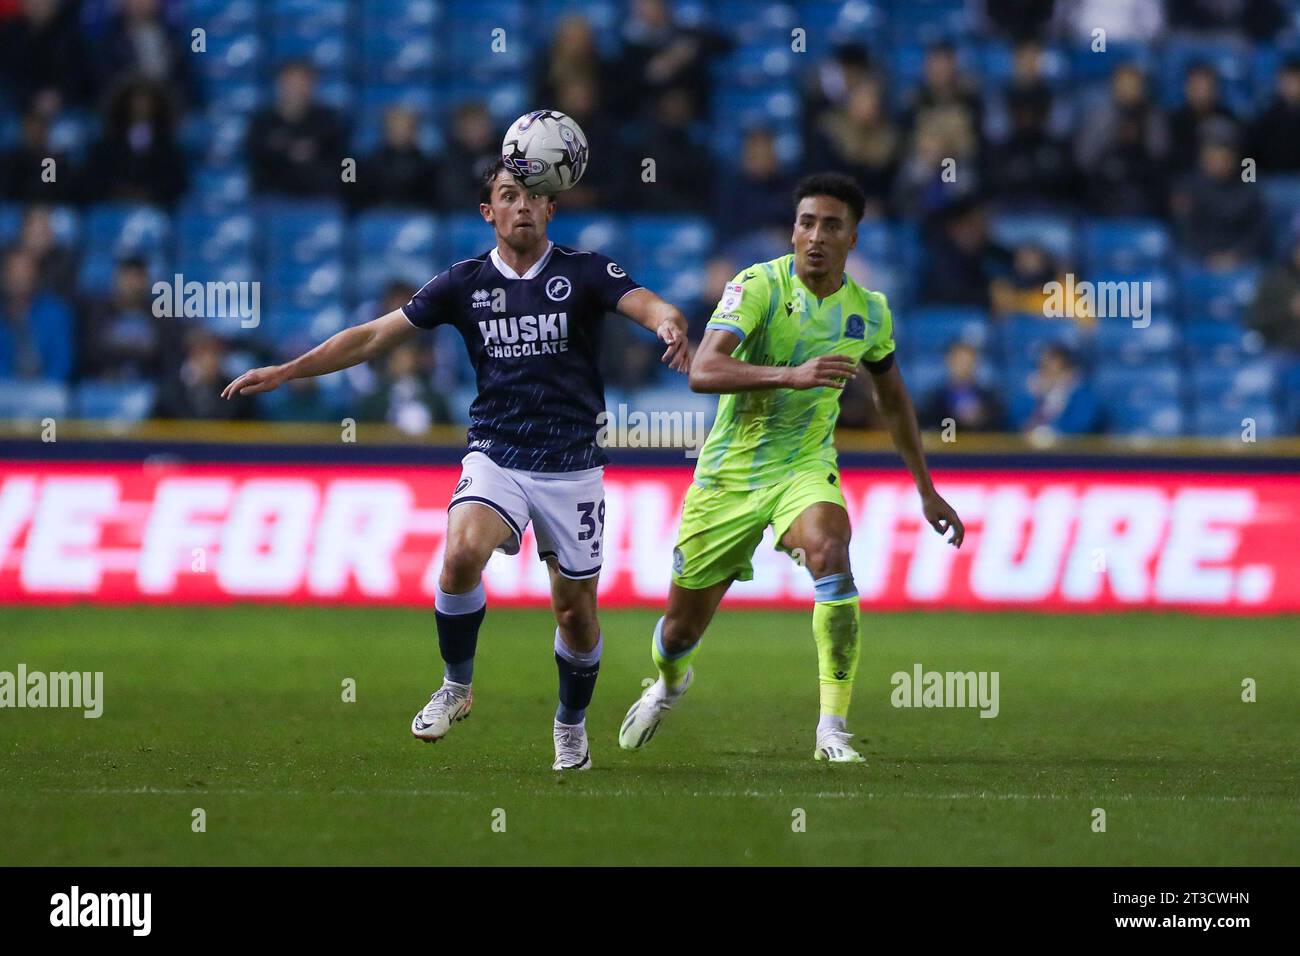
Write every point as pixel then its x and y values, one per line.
pixel 940 152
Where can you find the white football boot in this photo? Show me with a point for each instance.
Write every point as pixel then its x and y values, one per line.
pixel 645 716
pixel 834 746
pixel 571 751
pixel 446 705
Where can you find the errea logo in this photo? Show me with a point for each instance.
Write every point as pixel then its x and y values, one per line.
pixel 482 298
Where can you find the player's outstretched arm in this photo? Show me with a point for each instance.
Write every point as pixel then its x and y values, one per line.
pixel 715 370
pixel 352 346
pixel 663 319
pixel 896 407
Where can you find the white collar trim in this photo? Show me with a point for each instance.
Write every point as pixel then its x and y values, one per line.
pixel 533 270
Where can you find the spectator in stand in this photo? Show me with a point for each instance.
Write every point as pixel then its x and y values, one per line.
pixel 831 80
pixel 1276 134
pixel 931 174
pixel 1223 221
pixel 948 100
pixel 960 261
pixel 961 397
pixel 599 187
pixel 860 139
pixel 403 396
pixel 23 170
pixel 682 165
pixel 757 196
pixel 1275 312
pixel 1056 400
pixel 1032 167
pixel 1257 19
pixel 1028 84
pixel 137 158
pixel 1021 290
pixel 475 145
pixel 195 390
pixel 659 54
pixel 139 42
pixel 1099 132
pixel 296 145
pixel 1019 19
pixel 123 338
pixel 56 265
pixel 1201 106
pixel 1129 177
pixel 43 57
pixel 571 55
pixel 36 327
pixel 718 271
pixel 399 172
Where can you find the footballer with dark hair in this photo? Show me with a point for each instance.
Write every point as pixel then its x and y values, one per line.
pixel 785 338
pixel 530 312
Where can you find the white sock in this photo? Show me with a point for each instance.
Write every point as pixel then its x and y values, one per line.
pixel 829 722
pixel 459 689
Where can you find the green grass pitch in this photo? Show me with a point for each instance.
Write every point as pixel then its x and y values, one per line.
pixel 239 712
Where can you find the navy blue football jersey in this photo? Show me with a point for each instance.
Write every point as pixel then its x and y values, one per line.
pixel 534 341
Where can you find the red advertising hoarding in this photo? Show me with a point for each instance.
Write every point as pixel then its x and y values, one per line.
pixel 1046 540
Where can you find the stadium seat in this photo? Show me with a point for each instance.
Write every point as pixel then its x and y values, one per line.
pixel 601 233
pixel 1025 336
pixel 1282 196
pixel 1125 245
pixel 389 244
pixel 32 400
pixel 1226 344
pixel 1145 419
pixel 1226 418
pixel 1050 232
pixel 1219 296
pixel 1118 340
pixel 934 328
pixel 119 401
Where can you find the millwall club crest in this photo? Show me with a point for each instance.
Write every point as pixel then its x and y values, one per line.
pixel 558 288
pixel 855 327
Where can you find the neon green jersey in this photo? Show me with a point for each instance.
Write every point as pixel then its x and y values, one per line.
pixel 758 438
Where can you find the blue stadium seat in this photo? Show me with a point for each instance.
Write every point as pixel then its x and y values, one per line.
pixel 214 245
pixel 235 96
pixel 1226 344
pixel 1282 196
pixel 233 58
pixel 32 400
pixel 219 190
pixel 224 18
pixel 1160 418
pixel 1157 289
pixel 465 235
pixel 929 21
pixel 119 401
pixel 935 327
pixel 1125 245
pixel 1220 296
pixel 394 245
pixel 65 223
pixel 600 233
pixel 756 67
pixel 1253 379
pixel 303 233
pixel 1025 336
pixel 1223 418
pixel 1051 232
pixel 1234 65
pixel 1118 340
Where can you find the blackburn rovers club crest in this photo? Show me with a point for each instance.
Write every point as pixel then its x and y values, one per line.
pixel 855 327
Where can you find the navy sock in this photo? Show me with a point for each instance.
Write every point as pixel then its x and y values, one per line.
pixel 459 617
pixel 578 672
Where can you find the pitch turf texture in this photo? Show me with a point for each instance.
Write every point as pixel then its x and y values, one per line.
pixel 239 712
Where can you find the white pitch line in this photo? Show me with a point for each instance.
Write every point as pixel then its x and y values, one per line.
pixel 721 794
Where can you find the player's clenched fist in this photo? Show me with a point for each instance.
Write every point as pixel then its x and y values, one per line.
pixel 256 380
pixel 823 371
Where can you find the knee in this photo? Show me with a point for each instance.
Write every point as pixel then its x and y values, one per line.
pixel 462 566
pixel 679 634
pixel 827 555
pixel 578 626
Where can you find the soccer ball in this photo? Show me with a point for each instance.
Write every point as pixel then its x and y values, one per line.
pixel 546 151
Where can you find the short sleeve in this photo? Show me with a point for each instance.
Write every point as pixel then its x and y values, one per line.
pixel 880 321
pixel 610 281
pixel 433 305
pixel 744 303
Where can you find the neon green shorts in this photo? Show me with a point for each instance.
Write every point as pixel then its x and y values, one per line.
pixel 720 530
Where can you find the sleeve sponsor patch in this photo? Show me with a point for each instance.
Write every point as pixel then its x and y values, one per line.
pixel 731 297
